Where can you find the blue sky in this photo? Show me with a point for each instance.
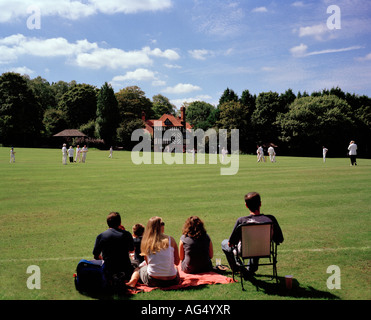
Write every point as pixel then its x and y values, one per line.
pixel 191 49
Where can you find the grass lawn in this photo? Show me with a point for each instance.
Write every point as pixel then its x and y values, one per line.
pixel 50 215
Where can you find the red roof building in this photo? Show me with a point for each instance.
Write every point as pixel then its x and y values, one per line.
pixel 168 122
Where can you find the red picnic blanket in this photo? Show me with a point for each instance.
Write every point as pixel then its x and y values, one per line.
pixel 188 280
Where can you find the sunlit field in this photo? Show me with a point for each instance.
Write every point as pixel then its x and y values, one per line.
pixel 50 215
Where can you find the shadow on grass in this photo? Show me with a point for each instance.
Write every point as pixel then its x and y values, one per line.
pixel 129 294
pixel 271 287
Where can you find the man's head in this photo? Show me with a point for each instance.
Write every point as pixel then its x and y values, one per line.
pixel 114 220
pixel 252 201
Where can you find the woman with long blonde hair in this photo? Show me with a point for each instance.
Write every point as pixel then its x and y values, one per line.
pixel 161 255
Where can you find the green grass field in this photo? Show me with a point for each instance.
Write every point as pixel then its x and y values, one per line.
pixel 50 215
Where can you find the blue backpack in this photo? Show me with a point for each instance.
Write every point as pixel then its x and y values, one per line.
pixel 90 276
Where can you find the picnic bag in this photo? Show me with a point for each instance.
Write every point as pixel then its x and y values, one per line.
pixel 90 276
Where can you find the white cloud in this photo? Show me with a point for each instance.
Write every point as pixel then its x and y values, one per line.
pixel 138 75
pixel 158 83
pixel 313 30
pixel 172 66
pixel 299 51
pixel 317 31
pixel 218 17
pixel 179 102
pixel 130 6
pixel 75 9
pixel 260 9
pixel 21 70
pixel 181 88
pixel 199 54
pixel 298 4
pixel 168 54
pixel 334 50
pixel 112 58
pixel 365 58
pixel 268 69
pixel 21 45
pixel 81 53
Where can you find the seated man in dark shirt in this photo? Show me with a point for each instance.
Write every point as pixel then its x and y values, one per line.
pixel 253 203
pixel 113 246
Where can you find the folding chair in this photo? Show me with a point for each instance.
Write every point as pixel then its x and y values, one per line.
pixel 256 242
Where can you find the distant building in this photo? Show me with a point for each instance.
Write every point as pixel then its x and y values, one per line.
pixel 168 122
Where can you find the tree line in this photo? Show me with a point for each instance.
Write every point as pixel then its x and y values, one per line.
pixel 33 110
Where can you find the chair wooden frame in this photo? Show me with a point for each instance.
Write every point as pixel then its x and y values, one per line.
pixel 257 242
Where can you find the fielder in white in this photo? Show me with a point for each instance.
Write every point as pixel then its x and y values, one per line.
pixel 324 152
pixel 12 155
pixel 272 154
pixel 84 150
pixel 260 153
pixel 64 154
pixel 78 153
pixel 70 154
pixel 224 152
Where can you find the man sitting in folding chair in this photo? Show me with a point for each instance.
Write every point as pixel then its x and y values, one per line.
pixel 253 203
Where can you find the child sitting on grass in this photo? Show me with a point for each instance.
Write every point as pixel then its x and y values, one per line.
pixel 138 230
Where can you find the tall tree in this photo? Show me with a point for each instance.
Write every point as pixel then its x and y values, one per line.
pixel 43 93
pixel 162 105
pixel 132 102
pixel 200 114
pixel 108 115
pixel 313 122
pixel 228 95
pixel 263 119
pixel 20 112
pixel 286 99
pixel 54 121
pixel 79 104
pixel 234 115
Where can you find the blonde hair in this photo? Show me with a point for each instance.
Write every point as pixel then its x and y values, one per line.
pixel 153 239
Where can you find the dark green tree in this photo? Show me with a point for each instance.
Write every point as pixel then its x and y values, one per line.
pixel 108 115
pixel 79 105
pixel 43 92
pixel 161 106
pixel 263 119
pixel 20 112
pixel 234 115
pixel 54 121
pixel 125 130
pixel 132 102
pixel 228 95
pixel 313 122
pixel 201 115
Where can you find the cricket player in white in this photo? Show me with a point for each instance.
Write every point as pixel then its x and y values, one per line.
pixel 324 151
pixel 64 154
pixel 272 154
pixel 84 150
pixel 12 155
pixel 78 153
pixel 224 152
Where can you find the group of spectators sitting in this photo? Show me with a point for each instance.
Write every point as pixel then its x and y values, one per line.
pixel 155 255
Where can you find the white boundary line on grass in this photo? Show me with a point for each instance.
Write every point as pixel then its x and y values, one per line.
pixel 326 249
pixel 90 258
